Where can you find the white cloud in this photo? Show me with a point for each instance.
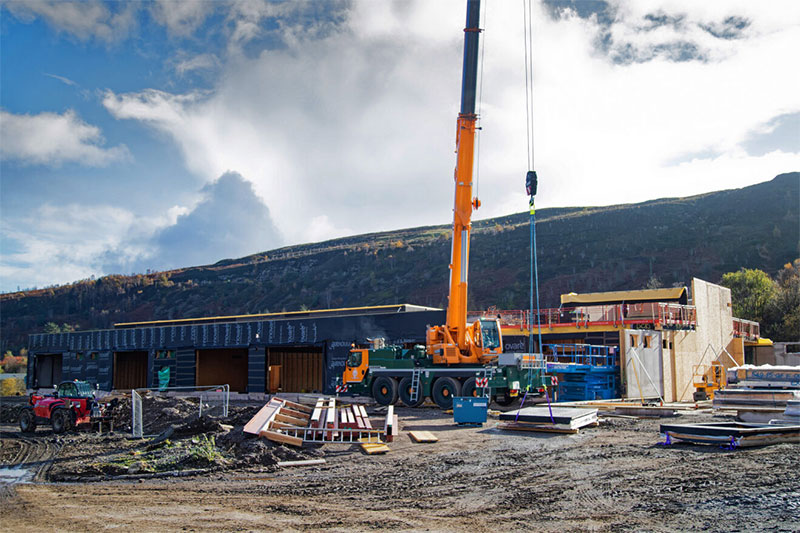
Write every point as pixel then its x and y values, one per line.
pixel 53 139
pixel 59 244
pixel 354 130
pixel 85 19
pixel 194 63
pixel 184 17
pixel 62 79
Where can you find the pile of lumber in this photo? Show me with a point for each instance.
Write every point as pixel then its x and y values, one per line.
pixel 294 423
pixel 550 420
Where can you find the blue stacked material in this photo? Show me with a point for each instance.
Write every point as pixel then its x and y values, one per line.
pixel 585 372
pixel 470 410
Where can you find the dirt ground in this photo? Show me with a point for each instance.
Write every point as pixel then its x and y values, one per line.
pixel 204 477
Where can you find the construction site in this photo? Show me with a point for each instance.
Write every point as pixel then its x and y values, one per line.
pixel 631 410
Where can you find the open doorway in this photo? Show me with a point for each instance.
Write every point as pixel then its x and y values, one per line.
pixel 47 370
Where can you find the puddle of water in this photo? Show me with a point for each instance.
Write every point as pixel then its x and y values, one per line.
pixel 14 475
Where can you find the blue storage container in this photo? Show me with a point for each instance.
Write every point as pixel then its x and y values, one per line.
pixel 470 410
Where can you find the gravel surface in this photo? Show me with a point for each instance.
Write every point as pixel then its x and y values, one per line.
pixel 615 477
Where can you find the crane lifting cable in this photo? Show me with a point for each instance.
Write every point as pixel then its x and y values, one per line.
pixel 531 183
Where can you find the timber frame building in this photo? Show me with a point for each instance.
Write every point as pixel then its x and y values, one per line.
pixel 302 351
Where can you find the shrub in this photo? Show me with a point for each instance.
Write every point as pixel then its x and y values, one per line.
pixel 12 387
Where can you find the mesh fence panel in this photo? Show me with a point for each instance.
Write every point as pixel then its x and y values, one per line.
pixel 136 414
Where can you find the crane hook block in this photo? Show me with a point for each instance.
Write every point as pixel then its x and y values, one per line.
pixel 531 182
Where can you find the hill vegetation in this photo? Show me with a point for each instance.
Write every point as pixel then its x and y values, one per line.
pixel 662 242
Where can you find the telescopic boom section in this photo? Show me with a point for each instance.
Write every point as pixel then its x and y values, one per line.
pixel 455 342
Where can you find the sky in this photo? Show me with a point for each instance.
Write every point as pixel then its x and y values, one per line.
pixel 151 135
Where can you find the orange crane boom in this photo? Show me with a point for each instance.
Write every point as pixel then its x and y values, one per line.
pixel 456 342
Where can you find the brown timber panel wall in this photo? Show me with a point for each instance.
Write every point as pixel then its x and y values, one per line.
pixel 301 368
pixel 223 366
pixel 130 370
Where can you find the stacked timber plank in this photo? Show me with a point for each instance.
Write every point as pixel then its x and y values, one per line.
pixel 293 423
pixel 551 420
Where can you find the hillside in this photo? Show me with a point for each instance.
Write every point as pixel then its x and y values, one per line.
pixel 580 249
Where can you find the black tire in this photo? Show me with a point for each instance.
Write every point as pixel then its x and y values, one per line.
pixel 444 389
pixel 506 400
pixel 404 391
pixel 59 419
pixel 27 421
pixel 700 396
pixel 384 390
pixel 469 388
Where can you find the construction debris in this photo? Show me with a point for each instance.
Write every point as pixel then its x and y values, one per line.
pixel 549 419
pixel 733 434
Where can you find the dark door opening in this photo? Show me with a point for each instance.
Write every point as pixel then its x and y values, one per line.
pixel 294 369
pixel 221 367
pixel 47 370
pixel 130 370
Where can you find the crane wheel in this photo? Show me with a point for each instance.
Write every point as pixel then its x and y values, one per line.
pixel 444 389
pixel 405 393
pixel 384 390
pixel 469 388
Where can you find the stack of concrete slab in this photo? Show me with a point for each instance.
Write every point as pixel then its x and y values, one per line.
pixel 765 377
pixel 759 393
pixel 547 419
pixel 733 434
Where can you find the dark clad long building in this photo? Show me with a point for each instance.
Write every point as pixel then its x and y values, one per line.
pixel 288 352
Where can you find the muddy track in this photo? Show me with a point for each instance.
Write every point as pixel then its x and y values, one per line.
pixel 612 478
pixel 34 454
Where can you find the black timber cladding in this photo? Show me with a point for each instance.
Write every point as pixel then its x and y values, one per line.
pixel 333 333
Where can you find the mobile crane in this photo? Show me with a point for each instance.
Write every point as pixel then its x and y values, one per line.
pixel 458 359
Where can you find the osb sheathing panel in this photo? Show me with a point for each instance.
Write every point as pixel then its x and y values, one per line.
pixel 713 334
pixel 685 353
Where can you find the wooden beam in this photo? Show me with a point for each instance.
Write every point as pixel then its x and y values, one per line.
pixel 307 462
pixel 264 415
pixel 298 406
pixel 295 414
pixel 283 425
pixel 280 417
pixel 280 437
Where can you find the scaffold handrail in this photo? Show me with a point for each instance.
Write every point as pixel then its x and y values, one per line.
pixel 584 354
pixel 657 314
